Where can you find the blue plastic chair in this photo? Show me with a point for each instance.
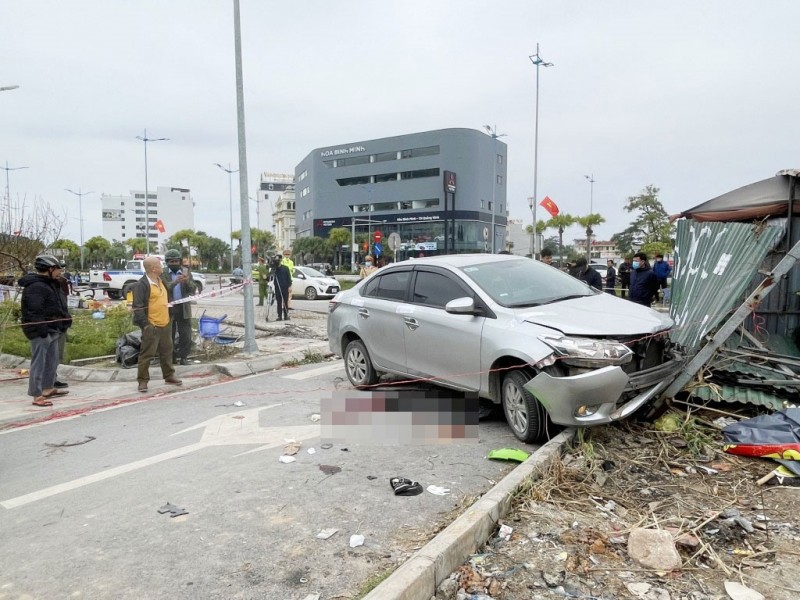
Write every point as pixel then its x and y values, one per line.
pixel 209 330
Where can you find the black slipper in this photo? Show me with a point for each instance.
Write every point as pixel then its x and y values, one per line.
pixel 405 487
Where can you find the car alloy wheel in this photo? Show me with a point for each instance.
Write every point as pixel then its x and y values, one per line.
pixel 358 365
pixel 527 418
pixel 311 293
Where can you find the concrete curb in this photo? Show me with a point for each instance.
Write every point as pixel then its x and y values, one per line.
pixel 419 576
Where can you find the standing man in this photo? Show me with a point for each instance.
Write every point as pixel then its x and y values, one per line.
pixel 644 284
pixel 150 312
pixel 283 286
pixel 180 284
pixel 611 278
pixel 44 319
pixel 624 276
pixel 287 260
pixel 66 289
pixel 587 274
pixel 662 270
pixel 262 272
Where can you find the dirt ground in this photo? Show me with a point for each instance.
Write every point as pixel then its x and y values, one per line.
pixel 570 527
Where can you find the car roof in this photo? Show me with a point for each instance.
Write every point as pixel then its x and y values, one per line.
pixel 460 260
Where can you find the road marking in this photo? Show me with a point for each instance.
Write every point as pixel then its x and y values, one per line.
pixel 314 372
pixel 238 428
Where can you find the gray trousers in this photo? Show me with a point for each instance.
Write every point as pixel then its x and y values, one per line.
pixel 44 362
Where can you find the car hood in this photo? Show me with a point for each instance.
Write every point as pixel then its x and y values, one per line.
pixel 599 315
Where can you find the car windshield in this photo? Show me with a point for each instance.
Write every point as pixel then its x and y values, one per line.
pixel 519 283
pixel 309 272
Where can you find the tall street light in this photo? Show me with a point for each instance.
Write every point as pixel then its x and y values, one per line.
pixel 80 196
pixel 492 131
pixel 7 88
pixel 591 180
pixel 230 172
pixel 538 62
pixel 8 195
pixel 146 139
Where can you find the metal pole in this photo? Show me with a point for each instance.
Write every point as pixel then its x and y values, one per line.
pixel 250 346
pixel 8 196
pixel 230 171
pixel 80 194
pixel 536 60
pixel 352 244
pixel 146 139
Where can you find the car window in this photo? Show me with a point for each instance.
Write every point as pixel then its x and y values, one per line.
pixel 435 289
pixel 389 286
pixel 309 272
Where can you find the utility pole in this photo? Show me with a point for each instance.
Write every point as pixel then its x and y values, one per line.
pixel 8 195
pixel 146 139
pixel 80 196
pixel 538 62
pixel 230 171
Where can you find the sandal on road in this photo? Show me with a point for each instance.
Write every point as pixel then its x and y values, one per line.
pixel 41 401
pixel 56 393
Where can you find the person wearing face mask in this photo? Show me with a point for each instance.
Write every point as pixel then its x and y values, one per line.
pixel 662 270
pixel 369 267
pixel 644 283
pixel 179 283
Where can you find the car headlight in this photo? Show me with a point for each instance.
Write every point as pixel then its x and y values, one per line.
pixel 586 352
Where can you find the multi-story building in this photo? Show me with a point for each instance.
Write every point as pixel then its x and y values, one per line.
pixel 283 219
pixel 599 249
pixel 125 217
pixel 441 191
pixel 270 189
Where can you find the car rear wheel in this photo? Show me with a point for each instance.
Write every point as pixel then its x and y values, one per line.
pixel 527 418
pixel 358 365
pixel 311 293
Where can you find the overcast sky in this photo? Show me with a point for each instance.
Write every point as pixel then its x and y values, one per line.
pixel 696 98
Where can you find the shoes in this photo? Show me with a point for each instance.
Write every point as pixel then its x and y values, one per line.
pixel 172 380
pixel 142 387
pixel 405 487
pixel 286 318
pixel 60 384
pixel 279 319
pixel 183 362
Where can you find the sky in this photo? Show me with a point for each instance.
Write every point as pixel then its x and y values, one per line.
pixel 696 98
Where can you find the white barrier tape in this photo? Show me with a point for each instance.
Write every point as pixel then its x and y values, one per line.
pixel 213 294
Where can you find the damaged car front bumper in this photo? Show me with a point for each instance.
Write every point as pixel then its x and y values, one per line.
pixel 602 395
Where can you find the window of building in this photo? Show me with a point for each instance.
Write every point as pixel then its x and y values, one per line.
pixel 384 177
pixel 435 289
pixel 362 180
pixel 138 196
pixel 419 174
pixel 306 191
pixel 303 175
pixel 384 156
pixel 499 159
pixel 140 203
pixel 491 205
pixel 415 152
pixel 499 180
pixel 152 196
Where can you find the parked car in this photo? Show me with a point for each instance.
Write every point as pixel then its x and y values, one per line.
pixel 311 284
pixel 542 344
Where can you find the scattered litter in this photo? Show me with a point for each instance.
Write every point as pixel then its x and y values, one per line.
pixel 439 491
pixel 723 422
pixel 708 470
pixel 238 403
pixel 197 362
pixel 286 459
pixel 372 477
pixel 314 418
pixel 88 439
pixel 405 487
pixel 174 511
pixel 356 540
pixel 292 447
pixel 326 533
pixel 326 446
pixel 737 591
pixel 511 454
pixel 330 469
pixel 23 371
pixel 312 596
pixel 311 451
pixel 345 449
pixel 505 532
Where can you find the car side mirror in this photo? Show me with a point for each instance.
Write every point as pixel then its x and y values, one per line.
pixel 299 275
pixel 461 306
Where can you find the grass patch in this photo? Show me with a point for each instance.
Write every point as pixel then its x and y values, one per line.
pixel 309 358
pixel 373 582
pixel 346 285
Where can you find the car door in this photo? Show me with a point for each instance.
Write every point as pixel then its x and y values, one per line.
pixel 440 344
pixel 380 318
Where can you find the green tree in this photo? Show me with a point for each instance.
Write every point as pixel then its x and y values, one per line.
pixel 311 249
pixel 651 224
pixel 561 222
pixel 137 245
pixel 588 222
pixel 97 250
pixel 212 252
pixel 338 237
pixel 263 240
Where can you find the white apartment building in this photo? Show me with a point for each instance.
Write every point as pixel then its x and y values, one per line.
pixel 125 217
pixel 275 207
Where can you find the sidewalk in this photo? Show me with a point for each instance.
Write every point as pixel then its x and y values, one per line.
pixel 104 383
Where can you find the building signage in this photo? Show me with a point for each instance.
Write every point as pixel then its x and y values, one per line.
pixel 449 182
pixel 341 151
pixel 416 218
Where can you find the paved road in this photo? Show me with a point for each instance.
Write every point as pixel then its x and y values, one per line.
pixel 81 519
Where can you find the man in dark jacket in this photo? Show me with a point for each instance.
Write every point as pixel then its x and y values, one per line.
pixel 662 270
pixel 624 273
pixel 644 283
pixel 180 284
pixel 587 274
pixel 611 278
pixel 282 280
pixel 44 318
pixel 150 312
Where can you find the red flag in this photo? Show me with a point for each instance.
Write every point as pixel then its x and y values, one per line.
pixel 160 226
pixel 549 206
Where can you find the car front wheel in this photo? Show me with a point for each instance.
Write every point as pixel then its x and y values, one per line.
pixel 358 365
pixel 311 293
pixel 527 418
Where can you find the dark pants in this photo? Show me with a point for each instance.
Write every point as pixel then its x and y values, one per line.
pixel 183 328
pixel 624 285
pixel 281 300
pixel 155 341
pixel 44 362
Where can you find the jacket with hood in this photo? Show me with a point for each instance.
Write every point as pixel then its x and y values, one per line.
pixel 644 285
pixel 44 306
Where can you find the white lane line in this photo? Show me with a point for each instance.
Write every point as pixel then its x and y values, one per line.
pixel 337 366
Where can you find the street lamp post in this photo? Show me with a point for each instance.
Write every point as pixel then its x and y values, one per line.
pixel 493 132
pixel 8 195
pixel 538 62
pixel 591 180
pixel 80 196
pixel 146 139
pixel 230 171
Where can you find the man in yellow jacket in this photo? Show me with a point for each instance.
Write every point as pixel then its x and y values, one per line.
pixel 287 260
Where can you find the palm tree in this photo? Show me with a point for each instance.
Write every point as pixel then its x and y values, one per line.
pixel 587 222
pixel 561 222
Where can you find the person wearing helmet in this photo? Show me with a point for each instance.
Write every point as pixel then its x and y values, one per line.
pixel 179 283
pixel 44 319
